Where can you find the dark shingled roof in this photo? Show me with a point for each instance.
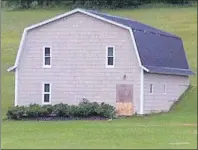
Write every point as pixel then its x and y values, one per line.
pixel 159 51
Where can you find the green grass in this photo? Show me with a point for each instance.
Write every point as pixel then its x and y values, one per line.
pixel 155 131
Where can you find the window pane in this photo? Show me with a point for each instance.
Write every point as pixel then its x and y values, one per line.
pixel 110 61
pixel 110 51
pixel 47 88
pixel 47 60
pixel 46 98
pixel 47 51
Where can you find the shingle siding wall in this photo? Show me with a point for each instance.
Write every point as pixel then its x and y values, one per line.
pixel 78 62
pixel 158 101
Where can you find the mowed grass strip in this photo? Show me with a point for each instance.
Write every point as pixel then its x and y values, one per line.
pixel 155 131
pixel 96 134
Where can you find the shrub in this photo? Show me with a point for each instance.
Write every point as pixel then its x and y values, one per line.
pixel 96 109
pixel 73 111
pixel 84 109
pixel 61 110
pixel 16 112
pixel 35 110
pixel 88 109
pixel 48 108
pixel 107 110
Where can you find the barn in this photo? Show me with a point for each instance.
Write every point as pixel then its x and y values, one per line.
pixel 89 54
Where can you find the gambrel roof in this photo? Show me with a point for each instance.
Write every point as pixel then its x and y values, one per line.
pixel 157 51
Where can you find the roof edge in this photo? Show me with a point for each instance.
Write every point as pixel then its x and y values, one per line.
pixel 11 68
pixel 67 14
pixel 189 71
pixel 171 35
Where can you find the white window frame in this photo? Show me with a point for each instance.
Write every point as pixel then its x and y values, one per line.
pixel 164 89
pixel 151 88
pixel 47 66
pixel 43 92
pixel 110 66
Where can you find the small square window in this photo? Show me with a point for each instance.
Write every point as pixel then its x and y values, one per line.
pixel 47 51
pixel 110 51
pixel 47 57
pixel 46 98
pixel 47 88
pixel 47 61
pixel 46 93
pixel 110 60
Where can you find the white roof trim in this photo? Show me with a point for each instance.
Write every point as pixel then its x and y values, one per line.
pixel 11 68
pixel 64 15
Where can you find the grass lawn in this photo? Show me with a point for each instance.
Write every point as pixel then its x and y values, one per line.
pixel 157 131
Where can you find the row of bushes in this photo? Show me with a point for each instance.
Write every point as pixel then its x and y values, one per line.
pixel 84 109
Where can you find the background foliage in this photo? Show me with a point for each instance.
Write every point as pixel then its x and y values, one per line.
pixel 27 4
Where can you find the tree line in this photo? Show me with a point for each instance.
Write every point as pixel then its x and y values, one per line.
pixel 25 4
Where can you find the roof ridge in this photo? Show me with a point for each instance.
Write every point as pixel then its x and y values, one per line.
pixel 119 17
pixel 157 33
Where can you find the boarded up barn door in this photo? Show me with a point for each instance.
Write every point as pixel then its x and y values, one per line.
pixel 124 100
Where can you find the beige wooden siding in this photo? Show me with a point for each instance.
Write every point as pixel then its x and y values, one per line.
pixel 158 101
pixel 78 62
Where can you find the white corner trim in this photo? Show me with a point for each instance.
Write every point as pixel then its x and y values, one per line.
pixel 106 59
pixel 43 92
pixel 19 51
pixel 144 68
pixel 20 47
pixel 142 92
pixel 11 68
pixel 135 47
pixel 141 73
pixel 47 66
pixel 16 88
pixel 64 15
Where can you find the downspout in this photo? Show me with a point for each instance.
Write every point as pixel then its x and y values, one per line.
pixel 142 92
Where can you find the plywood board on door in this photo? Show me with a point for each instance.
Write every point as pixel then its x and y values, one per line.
pixel 124 100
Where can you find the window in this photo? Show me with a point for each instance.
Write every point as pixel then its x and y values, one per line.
pixel 110 60
pixel 151 88
pixel 47 57
pixel 164 89
pixel 46 93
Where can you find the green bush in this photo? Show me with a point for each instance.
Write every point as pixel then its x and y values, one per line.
pixel 48 108
pixel 88 109
pixel 35 110
pixel 73 111
pixel 107 110
pixel 16 112
pixel 95 109
pixel 61 110
pixel 84 109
